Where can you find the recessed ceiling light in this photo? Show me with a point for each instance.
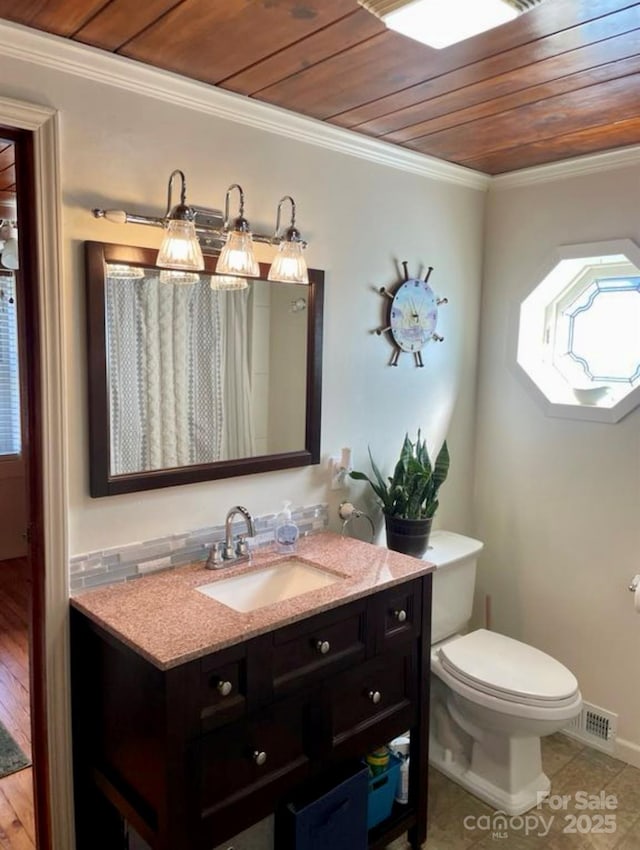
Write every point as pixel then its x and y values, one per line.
pixel 440 23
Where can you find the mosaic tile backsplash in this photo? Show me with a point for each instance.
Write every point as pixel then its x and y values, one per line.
pixel 124 563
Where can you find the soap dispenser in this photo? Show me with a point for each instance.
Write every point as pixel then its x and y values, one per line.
pixel 286 530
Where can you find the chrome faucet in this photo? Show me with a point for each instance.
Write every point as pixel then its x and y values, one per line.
pixel 229 552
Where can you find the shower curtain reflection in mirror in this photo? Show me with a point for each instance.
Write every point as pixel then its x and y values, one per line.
pixel 178 374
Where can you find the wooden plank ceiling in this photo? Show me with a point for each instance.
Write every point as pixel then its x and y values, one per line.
pixel 560 81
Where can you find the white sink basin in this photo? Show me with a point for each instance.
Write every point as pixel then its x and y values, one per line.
pixel 282 580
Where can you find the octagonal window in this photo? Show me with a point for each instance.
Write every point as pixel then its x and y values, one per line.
pixel 606 304
pixel 579 334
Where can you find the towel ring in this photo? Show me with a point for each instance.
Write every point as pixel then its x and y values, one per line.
pixel 348 512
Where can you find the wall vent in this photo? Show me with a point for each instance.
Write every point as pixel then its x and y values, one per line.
pixel 524 5
pixel 594 726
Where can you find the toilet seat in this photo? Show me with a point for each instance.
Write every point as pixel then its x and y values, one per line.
pixel 506 670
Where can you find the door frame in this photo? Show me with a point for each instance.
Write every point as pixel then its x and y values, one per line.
pixel 46 431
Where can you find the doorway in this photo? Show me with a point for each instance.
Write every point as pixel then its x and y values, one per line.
pixel 24 821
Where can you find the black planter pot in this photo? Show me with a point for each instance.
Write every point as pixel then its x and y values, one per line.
pixel 409 536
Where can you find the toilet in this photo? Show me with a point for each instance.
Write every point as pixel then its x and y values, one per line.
pixel 492 697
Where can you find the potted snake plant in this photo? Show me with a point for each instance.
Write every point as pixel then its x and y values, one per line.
pixel 409 498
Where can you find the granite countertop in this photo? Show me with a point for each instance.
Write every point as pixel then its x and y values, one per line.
pixel 164 619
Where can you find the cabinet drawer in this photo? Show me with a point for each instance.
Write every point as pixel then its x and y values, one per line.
pixel 223 688
pixel 399 615
pixel 247 756
pixel 376 690
pixel 307 651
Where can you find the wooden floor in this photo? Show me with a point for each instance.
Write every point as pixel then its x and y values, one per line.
pixel 17 829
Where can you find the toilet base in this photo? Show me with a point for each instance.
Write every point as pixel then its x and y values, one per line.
pixel 459 769
pixel 486 747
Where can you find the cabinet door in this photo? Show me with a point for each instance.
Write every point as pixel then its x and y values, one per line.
pixel 398 616
pixel 254 757
pixel 310 650
pixel 378 696
pixel 223 687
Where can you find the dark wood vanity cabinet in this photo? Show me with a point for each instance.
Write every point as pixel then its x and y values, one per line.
pixel 192 755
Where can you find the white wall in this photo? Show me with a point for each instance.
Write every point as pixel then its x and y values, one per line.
pixel 361 218
pixel 558 500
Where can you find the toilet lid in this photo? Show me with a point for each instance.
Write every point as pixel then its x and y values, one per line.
pixel 508 669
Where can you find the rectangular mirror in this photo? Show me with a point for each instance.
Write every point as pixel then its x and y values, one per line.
pixel 189 381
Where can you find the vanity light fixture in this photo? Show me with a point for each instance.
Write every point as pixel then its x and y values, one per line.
pixel 237 257
pixel 227 283
pixel 178 278
pixel 9 258
pixel 120 271
pixel 440 23
pixel 192 230
pixel 180 249
pixel 289 265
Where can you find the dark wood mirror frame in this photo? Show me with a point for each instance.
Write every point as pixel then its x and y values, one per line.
pixel 102 482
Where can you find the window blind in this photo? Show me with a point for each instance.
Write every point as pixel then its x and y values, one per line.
pixel 10 437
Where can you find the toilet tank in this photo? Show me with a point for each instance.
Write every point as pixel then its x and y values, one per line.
pixel 455 557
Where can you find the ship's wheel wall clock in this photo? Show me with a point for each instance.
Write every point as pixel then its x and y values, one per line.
pixel 412 316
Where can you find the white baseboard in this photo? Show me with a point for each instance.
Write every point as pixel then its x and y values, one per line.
pixel 627 751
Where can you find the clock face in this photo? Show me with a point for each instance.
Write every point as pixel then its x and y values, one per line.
pixel 413 315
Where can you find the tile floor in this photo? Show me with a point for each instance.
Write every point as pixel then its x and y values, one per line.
pixel 459 821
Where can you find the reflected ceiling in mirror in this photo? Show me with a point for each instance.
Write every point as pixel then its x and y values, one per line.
pixel 197 377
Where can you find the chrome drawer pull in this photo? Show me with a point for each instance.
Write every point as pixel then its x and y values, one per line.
pixel 323 646
pixel 400 615
pixel 375 697
pixel 224 688
pixel 259 757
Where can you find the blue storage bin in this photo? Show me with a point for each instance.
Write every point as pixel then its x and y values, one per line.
pixel 333 820
pixel 382 791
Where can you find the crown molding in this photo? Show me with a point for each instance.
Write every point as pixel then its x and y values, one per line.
pixel 61 54
pixel 25 116
pixel 50 51
pixel 575 167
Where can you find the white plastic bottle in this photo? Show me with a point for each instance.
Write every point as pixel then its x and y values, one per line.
pixel 286 530
pixel 402 792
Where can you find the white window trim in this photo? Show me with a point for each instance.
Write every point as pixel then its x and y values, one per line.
pixel 573 410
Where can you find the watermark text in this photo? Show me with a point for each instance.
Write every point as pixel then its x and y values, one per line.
pixel 580 813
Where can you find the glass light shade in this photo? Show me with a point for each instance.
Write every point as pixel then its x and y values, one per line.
pixel 9 256
pixel 180 248
pixel 227 283
pixel 289 265
pixel 440 23
pixel 237 258
pixel 119 271
pixel 178 278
